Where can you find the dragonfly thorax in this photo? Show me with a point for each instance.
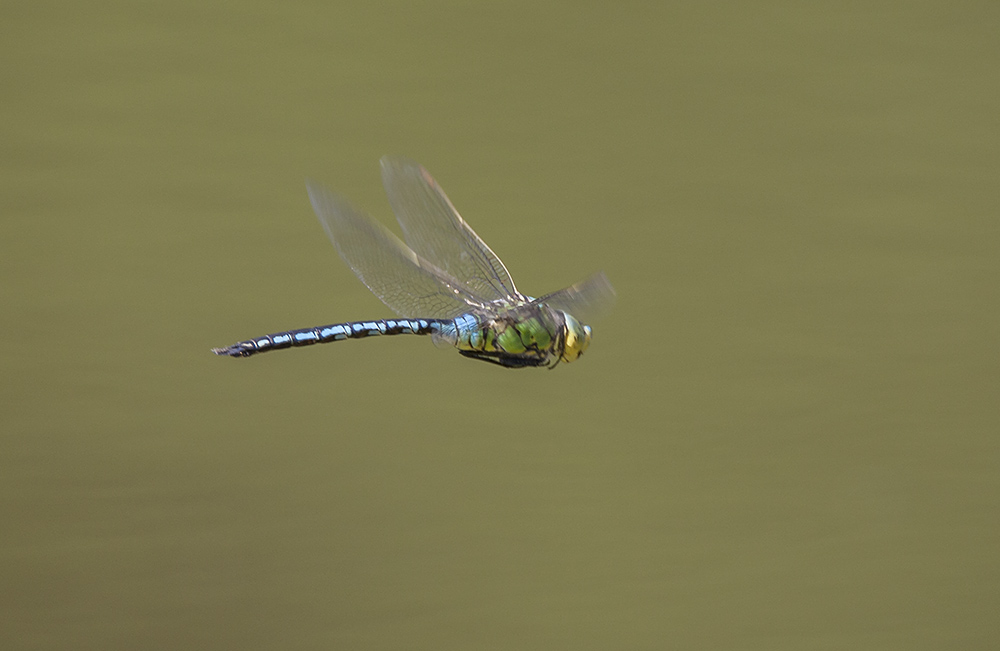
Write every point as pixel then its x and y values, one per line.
pixel 528 335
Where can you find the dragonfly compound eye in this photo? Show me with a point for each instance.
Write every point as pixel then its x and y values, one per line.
pixel 577 339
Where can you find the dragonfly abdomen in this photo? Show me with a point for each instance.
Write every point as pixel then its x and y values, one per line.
pixel 335 332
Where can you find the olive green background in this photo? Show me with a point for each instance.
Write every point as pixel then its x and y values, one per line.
pixel 785 435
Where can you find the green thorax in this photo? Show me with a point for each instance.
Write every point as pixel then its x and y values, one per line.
pixel 522 336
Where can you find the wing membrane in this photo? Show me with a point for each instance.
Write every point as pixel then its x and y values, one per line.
pixel 588 299
pixel 436 232
pixel 408 284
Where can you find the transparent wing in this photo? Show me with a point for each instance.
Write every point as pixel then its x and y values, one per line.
pixel 588 299
pixel 436 232
pixel 408 284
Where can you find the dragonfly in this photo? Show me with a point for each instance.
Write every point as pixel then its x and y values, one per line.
pixel 444 282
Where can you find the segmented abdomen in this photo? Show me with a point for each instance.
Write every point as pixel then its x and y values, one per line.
pixel 335 332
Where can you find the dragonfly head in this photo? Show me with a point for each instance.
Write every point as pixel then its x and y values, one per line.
pixel 577 339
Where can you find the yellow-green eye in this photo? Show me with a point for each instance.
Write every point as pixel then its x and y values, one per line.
pixel 577 339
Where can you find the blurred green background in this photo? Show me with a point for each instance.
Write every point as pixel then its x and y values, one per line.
pixel 783 437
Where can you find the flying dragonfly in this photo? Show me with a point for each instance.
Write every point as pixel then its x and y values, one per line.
pixel 447 275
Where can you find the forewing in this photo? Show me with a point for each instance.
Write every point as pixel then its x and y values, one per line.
pixel 587 300
pixel 408 284
pixel 436 232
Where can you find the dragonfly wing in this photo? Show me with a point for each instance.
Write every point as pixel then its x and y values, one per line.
pixel 407 283
pixel 586 300
pixel 436 232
